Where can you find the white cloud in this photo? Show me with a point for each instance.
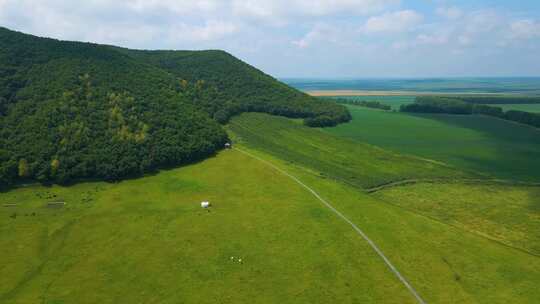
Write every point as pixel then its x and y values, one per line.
pixel 525 29
pixel 211 30
pixel 483 21
pixel 395 22
pixel 320 33
pixel 432 39
pixel 451 13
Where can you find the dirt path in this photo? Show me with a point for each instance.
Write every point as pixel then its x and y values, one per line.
pixel 343 217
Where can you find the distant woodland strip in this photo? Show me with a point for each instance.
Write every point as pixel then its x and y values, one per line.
pixel 364 103
pixel 445 105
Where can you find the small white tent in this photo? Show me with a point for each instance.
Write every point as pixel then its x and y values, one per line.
pixel 205 205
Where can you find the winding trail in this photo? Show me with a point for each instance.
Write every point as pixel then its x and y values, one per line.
pixel 343 217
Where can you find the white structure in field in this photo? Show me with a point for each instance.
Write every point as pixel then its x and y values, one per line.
pixel 205 205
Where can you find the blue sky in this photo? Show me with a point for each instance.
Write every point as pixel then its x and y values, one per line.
pixel 309 38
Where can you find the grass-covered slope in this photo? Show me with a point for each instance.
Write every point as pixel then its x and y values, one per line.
pixel 358 164
pixel 71 110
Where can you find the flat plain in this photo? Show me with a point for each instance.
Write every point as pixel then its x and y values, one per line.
pixel 473 143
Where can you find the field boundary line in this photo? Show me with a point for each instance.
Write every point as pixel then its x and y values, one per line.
pixel 343 217
pixel 472 232
pixel 467 181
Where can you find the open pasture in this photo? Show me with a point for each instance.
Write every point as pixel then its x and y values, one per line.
pixel 265 240
pixel 149 241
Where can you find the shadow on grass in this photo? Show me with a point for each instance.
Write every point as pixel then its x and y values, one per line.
pixel 534 200
pixel 154 172
pixel 517 146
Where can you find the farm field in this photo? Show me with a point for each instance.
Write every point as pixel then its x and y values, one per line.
pixel 474 143
pixel 355 163
pixel 509 214
pixel 291 246
pixel 535 108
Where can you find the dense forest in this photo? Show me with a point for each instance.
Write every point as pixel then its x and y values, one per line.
pixel 364 103
pixel 230 86
pixel 443 105
pixel 71 110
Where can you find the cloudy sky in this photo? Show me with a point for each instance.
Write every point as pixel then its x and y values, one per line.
pixel 309 38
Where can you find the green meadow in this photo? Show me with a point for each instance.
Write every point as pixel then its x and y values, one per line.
pixel 473 143
pixel 266 239
pixel 148 241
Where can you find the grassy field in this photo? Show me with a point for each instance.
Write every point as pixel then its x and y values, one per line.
pixel 148 241
pixel 535 108
pixel 482 144
pixel 509 214
pixel 355 163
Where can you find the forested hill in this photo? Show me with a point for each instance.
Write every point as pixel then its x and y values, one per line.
pixel 233 86
pixel 71 110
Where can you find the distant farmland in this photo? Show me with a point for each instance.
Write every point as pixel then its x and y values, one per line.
pixel 502 149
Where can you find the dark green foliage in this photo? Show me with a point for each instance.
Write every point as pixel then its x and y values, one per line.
pixel 488 110
pixel 532 119
pixel 427 104
pixel 499 99
pixel 228 86
pixel 364 103
pixel 71 110
pixel 440 105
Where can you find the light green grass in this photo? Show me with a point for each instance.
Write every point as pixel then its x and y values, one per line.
pixel 509 214
pixel 535 108
pixel 482 144
pixel 149 241
pixel 355 163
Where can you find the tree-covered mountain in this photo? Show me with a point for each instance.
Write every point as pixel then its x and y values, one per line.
pixel 71 110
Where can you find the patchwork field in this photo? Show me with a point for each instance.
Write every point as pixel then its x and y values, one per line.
pixel 474 143
pixel 355 163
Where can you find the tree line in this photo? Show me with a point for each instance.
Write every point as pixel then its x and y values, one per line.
pixel 364 103
pixel 442 105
